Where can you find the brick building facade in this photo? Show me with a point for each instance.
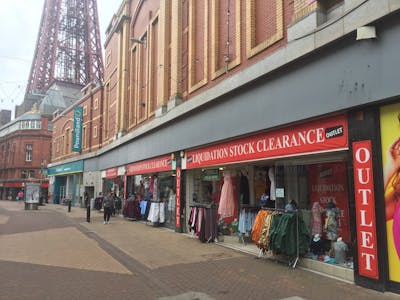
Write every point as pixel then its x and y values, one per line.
pixel 25 145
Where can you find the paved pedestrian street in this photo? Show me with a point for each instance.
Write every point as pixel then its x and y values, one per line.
pixel 51 253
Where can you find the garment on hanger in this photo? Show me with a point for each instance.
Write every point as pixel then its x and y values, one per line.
pixel 257 226
pixel 226 205
pixel 157 212
pixel 271 176
pixel 247 217
pixel 316 219
pixel 244 189
pixel 155 190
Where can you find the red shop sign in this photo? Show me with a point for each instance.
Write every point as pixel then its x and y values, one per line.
pixel 365 209
pixel 111 173
pixel 317 136
pixel 160 164
pixel 13 184
pixel 178 198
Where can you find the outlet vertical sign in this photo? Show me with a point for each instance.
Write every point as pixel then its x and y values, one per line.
pixel 365 209
pixel 178 198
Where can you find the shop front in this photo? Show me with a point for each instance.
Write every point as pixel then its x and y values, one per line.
pixel 66 183
pixel 9 190
pixel 113 181
pixel 151 189
pixel 240 190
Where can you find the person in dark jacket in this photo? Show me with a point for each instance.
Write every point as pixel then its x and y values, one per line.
pixel 108 205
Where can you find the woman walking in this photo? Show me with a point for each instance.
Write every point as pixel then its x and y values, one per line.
pixel 108 204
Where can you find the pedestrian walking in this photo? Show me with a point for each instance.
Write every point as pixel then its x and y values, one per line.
pixel 87 205
pixel 108 205
pixel 20 196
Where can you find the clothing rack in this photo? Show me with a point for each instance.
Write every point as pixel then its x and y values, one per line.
pixel 202 205
pixel 292 263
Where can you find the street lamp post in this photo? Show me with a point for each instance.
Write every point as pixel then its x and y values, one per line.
pixel 42 168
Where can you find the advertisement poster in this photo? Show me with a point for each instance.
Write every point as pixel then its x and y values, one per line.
pixel 390 135
pixel 328 192
pixel 32 193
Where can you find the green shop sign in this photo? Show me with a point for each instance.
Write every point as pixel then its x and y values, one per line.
pixel 210 175
pixel 74 167
pixel 77 134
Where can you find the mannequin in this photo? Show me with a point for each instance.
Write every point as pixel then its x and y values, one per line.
pixel 331 221
pixel 317 247
pixel 316 220
pixel 340 248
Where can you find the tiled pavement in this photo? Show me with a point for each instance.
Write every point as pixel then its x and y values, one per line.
pixel 147 262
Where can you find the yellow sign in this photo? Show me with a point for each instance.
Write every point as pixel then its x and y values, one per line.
pixel 390 139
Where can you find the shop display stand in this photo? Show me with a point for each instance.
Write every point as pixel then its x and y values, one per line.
pixel 292 262
pixel 209 209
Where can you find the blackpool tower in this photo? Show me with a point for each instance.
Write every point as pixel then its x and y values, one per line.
pixel 68 49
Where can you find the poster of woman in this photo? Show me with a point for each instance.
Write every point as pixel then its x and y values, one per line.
pixel 390 139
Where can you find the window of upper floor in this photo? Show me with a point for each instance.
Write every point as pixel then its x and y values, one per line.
pixel 28 152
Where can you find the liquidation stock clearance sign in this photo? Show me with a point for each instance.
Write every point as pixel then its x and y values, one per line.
pixel 317 136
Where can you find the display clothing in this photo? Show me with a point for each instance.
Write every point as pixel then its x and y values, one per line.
pixel 244 189
pixel 246 220
pixel 157 212
pixel 283 237
pixel 331 224
pixel 271 176
pixel 257 226
pixel 340 249
pixel 317 245
pixel 263 241
pixel 202 222
pixel 171 202
pixel 155 189
pixel 226 204
pixel 316 218
pixel 132 209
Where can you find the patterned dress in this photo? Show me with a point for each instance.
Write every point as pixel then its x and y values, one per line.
pixel 316 220
pixel 331 225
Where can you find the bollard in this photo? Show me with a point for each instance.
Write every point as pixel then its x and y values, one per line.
pixel 69 205
pixel 88 213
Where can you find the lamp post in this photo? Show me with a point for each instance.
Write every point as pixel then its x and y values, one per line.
pixel 42 168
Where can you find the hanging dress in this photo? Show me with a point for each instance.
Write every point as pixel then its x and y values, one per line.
pixel 316 220
pixel 226 204
pixel 331 225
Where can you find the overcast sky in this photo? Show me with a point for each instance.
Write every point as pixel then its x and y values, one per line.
pixel 19 26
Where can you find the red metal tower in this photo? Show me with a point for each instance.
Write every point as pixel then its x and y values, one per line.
pixel 68 47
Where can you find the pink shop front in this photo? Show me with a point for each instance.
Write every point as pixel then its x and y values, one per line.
pixel 239 190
